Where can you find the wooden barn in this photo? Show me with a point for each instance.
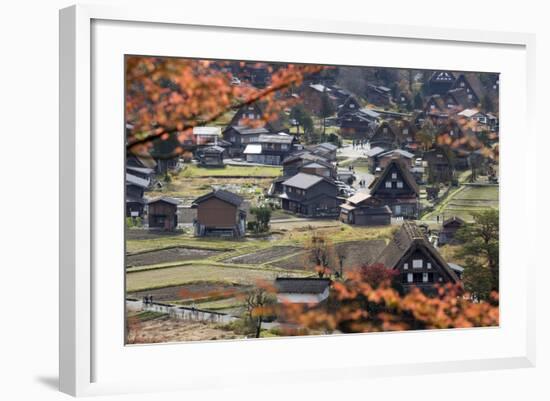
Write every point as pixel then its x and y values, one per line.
pixel 210 156
pixel 419 264
pixel 397 188
pixel 364 210
pixel 220 213
pixel 449 229
pixel 162 213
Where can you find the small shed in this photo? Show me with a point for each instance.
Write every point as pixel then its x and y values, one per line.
pixel 449 229
pixel 220 213
pixel 162 213
pixel 211 156
pixel 309 290
pixel 362 209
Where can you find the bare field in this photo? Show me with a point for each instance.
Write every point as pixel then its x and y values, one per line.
pixel 168 255
pixel 180 275
pixel 264 255
pixel 191 292
pixel 164 329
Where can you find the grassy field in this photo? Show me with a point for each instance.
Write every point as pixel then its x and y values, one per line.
pixel 194 181
pixel 187 274
pixel 466 200
pixel 193 170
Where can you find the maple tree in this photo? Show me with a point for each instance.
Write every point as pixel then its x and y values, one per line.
pixel 167 97
pixel 356 306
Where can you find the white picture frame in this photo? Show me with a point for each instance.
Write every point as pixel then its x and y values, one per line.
pixel 80 247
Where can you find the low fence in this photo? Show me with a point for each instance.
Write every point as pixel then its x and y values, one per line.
pixel 181 312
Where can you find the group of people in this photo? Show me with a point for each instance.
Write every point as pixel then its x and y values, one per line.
pixel 148 300
pixel 359 143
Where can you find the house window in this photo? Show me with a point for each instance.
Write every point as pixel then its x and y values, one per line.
pixel 417 263
pixel 405 266
pixel 429 265
pixel 393 176
pixel 399 184
pixel 405 131
pixel 424 277
pixel 470 96
pixel 385 130
pixel 462 84
pixel 388 184
pixel 352 106
pixel 432 106
pixel 409 277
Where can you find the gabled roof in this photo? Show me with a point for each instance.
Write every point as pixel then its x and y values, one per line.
pixel 397 152
pixel 318 87
pixel 370 113
pixel 303 180
pixel 403 170
pixel 142 170
pixel 172 201
pixel 408 238
pixel 220 194
pixel 442 76
pixel 453 219
pixel 213 149
pixel 276 138
pixel 212 130
pixel 328 146
pixel 468 113
pixel 306 155
pixel 460 97
pixel 301 285
pixel 137 181
pixel 375 151
pixel 358 198
pixel 244 130
pixel 438 101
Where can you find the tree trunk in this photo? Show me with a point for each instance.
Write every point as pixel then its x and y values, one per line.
pixel 258 327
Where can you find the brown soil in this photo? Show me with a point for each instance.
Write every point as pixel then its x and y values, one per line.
pixel 164 329
pixel 168 255
pixel 190 291
pixel 264 256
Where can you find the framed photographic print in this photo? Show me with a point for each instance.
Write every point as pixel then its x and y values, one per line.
pixel 276 187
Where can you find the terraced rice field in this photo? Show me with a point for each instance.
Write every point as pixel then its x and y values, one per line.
pixel 471 199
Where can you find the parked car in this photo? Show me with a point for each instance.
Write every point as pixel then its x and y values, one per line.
pixel 235 81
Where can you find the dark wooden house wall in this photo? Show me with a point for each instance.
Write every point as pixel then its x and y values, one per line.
pixel 217 213
pixel 162 215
